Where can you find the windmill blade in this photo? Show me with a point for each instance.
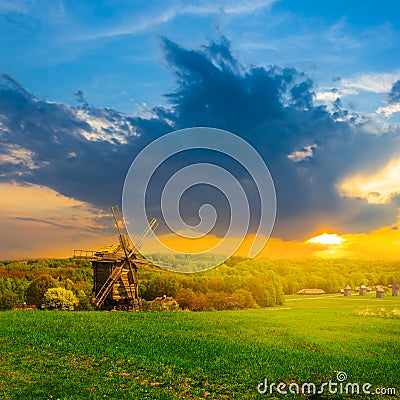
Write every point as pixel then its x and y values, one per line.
pixel 128 248
pixel 150 228
pixel 124 239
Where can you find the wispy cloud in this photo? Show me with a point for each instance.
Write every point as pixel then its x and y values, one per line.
pixel 17 155
pixel 370 82
pixel 340 38
pixel 11 6
pixel 37 203
pixel 150 20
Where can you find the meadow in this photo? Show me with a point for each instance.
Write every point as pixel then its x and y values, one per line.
pixel 198 355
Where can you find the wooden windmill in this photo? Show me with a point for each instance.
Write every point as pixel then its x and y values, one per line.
pixel 116 284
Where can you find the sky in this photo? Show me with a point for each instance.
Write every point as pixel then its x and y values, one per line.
pixel 314 87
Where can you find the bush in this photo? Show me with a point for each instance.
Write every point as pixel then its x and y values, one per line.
pixel 194 301
pixel 59 299
pixel 84 302
pixel 161 304
pixel 185 297
pixel 8 300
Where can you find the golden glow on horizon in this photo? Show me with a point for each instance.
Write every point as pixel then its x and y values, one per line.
pixel 40 203
pixel 327 239
pixel 378 188
pixel 381 244
pixel 39 222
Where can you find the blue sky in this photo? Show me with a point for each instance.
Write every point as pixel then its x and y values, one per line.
pixel 313 86
pixel 111 50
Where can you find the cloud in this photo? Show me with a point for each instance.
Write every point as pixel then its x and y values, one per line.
pixel 300 155
pixel 84 153
pixel 105 127
pixel 377 188
pixel 12 6
pixel 393 104
pixel 372 82
pixel 17 156
pixel 34 216
pixel 394 95
pixel 326 96
pixel 153 18
pixel 272 108
pixel 389 110
pixel 81 153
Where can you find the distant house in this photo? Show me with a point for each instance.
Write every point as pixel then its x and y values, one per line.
pixel 347 290
pixel 380 292
pixel 395 288
pixel 311 291
pixel 362 291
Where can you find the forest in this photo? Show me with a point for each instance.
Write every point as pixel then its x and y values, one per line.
pixel 239 283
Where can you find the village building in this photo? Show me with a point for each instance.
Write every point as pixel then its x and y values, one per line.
pixel 395 289
pixel 362 291
pixel 347 290
pixel 380 292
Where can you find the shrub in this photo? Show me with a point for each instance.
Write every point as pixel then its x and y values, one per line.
pixel 184 297
pixel 84 301
pixel 194 301
pixel 217 300
pixel 381 313
pixel 59 299
pixel 8 300
pixel 161 304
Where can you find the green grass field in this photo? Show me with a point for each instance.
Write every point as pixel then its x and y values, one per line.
pixel 186 355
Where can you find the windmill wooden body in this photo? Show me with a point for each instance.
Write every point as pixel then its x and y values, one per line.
pixel 115 282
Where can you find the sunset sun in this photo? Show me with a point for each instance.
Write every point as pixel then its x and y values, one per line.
pixel 327 239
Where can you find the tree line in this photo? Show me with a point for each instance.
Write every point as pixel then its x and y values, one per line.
pixel 238 283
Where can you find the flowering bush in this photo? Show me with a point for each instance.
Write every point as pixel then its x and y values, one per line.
pixel 59 299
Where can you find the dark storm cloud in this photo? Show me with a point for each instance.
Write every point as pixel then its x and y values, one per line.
pixel 62 156
pixel 394 94
pixel 271 107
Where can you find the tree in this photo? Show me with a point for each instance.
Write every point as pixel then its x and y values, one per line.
pixel 8 300
pixel 266 290
pixel 241 299
pixel 217 300
pixel 59 299
pixel 38 287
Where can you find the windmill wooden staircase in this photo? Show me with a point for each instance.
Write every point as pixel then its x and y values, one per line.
pixel 106 288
